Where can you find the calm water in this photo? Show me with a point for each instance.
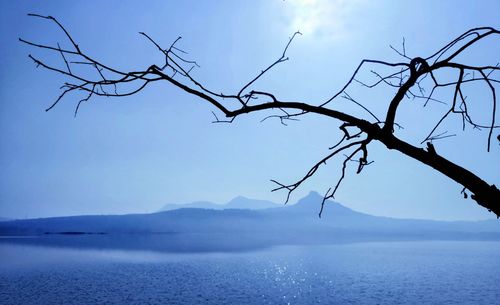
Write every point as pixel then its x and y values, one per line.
pixel 363 273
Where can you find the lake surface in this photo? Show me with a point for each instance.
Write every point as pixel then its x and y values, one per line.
pixel 436 272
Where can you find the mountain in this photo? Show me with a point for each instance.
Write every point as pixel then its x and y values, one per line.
pixel 310 206
pixel 339 216
pixel 239 202
pixel 235 229
pixel 192 205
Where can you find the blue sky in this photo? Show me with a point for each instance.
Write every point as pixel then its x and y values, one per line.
pixel 137 153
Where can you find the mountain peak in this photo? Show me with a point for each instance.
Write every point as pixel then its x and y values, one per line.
pixel 312 198
pixel 308 203
pixel 238 198
pixel 313 201
pixel 314 195
pixel 241 202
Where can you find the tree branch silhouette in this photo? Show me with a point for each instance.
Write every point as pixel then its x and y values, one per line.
pixel 357 133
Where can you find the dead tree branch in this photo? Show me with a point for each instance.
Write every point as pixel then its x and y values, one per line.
pixel 407 77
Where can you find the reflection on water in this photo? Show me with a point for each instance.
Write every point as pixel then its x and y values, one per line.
pixel 174 242
pixel 363 273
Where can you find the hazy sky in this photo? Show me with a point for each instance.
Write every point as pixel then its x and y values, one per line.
pixel 135 154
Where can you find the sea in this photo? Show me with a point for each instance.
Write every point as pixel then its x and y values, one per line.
pixel 411 272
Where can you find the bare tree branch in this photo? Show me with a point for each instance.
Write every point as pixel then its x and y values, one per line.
pixel 412 78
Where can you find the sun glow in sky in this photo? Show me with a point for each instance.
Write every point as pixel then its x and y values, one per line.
pixel 321 19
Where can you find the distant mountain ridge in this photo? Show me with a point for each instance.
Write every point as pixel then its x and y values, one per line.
pixel 299 222
pixel 239 202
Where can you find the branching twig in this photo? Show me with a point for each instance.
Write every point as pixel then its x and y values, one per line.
pixel 410 78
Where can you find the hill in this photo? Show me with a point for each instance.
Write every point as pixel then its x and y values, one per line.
pixel 243 228
pixel 239 202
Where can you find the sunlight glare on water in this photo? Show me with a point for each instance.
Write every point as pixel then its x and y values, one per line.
pixel 365 273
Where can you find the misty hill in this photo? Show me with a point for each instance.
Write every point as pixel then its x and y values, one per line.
pixel 192 205
pixel 299 222
pixel 239 202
